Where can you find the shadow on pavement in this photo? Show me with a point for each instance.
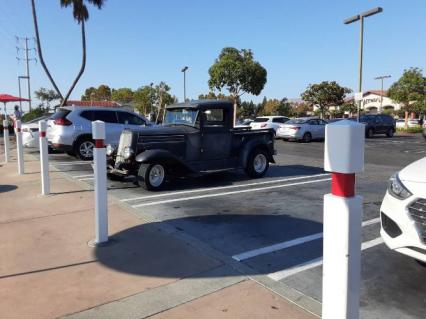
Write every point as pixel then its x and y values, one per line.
pixel 7 188
pixel 146 250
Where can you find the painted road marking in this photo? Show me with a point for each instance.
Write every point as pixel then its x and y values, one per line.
pixel 86 179
pixel 80 176
pixel 222 187
pixel 287 244
pixel 226 193
pixel 70 163
pixel 279 275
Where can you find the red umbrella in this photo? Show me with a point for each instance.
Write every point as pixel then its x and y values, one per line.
pixel 10 98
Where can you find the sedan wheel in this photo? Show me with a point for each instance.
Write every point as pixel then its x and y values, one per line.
pixel 84 150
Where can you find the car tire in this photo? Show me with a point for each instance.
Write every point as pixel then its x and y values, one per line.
pixel 257 163
pixel 307 137
pixel 421 263
pixel 390 132
pixel 83 148
pixel 70 153
pixel 152 176
pixel 369 133
pixel 114 177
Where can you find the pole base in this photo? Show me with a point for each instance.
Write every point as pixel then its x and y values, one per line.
pixel 92 243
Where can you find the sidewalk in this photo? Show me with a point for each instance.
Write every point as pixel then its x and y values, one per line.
pixel 48 270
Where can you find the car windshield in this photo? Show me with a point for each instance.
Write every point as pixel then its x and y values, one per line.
pixel 261 119
pixel 296 121
pixel 180 116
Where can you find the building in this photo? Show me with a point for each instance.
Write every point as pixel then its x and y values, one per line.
pixel 377 101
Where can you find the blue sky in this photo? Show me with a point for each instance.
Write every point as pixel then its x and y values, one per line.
pixel 132 43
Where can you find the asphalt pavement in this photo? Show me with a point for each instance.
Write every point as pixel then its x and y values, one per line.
pixel 271 228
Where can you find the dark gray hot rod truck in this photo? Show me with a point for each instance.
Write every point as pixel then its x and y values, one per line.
pixel 196 137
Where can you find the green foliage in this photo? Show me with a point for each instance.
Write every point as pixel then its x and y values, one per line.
pixel 276 107
pixel 301 109
pixel 102 93
pixel 325 94
pixel 122 95
pixel 410 90
pixel 46 96
pixel 349 107
pixel 237 71
pixel 35 113
pixel 144 99
pixel 212 96
pixel 80 11
pixel 410 129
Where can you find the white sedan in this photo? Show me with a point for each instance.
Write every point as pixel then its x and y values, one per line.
pixel 403 212
pixel 30 136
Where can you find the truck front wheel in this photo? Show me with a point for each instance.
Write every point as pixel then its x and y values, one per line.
pixel 257 164
pixel 152 176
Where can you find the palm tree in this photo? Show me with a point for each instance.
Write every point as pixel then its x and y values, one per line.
pixel 81 14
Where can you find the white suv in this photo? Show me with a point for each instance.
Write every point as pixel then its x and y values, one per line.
pixel 403 211
pixel 70 128
pixel 267 122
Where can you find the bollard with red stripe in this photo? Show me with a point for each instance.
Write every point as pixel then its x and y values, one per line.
pixel 101 207
pixel 19 147
pixel 6 140
pixel 344 156
pixel 44 158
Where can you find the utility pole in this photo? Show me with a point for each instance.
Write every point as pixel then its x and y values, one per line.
pixel 27 64
pixel 381 94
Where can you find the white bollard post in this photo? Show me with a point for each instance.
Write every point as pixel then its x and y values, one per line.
pixel 101 204
pixel 344 156
pixel 6 140
pixel 44 158
pixel 19 148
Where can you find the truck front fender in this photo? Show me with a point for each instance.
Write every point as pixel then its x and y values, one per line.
pixel 159 155
pixel 251 145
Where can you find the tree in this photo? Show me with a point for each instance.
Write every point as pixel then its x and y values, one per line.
pixel 144 99
pixel 102 93
pixel 46 97
pixel 301 109
pixel 237 71
pixel 81 15
pixel 122 95
pixel 324 95
pixel 410 91
pixel 349 106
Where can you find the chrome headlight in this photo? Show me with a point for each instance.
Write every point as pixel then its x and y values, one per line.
pixel 397 189
pixel 109 149
pixel 127 152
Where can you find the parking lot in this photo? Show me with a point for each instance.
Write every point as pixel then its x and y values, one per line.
pixel 271 228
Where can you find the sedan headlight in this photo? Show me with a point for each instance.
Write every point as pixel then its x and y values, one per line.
pixel 397 189
pixel 127 152
pixel 110 150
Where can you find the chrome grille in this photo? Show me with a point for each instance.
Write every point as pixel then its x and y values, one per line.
pixel 125 140
pixel 417 211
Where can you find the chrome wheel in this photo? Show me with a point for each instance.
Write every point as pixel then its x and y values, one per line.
pixel 86 149
pixel 259 163
pixel 156 175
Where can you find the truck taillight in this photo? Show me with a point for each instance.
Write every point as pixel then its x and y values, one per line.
pixel 62 121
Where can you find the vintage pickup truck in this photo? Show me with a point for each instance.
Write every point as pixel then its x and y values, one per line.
pixel 196 137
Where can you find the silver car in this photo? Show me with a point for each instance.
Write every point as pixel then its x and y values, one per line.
pixel 70 128
pixel 302 129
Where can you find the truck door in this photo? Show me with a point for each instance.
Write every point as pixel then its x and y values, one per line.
pixel 215 134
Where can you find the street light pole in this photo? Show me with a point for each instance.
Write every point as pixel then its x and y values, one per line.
pixel 184 82
pixel 381 94
pixel 350 20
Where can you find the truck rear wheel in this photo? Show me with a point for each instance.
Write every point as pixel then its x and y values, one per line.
pixel 257 164
pixel 152 176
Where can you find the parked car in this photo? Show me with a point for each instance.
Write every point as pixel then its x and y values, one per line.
pixel 400 123
pixel 302 129
pixel 70 128
pixel 30 136
pixel 266 122
pixel 196 137
pixel 403 211
pixel 378 124
pixel 424 130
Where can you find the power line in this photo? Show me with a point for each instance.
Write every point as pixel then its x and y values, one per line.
pixel 27 60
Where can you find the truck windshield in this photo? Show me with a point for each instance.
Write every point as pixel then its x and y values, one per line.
pixel 183 116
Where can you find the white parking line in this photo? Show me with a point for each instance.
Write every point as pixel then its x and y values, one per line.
pixel 223 187
pixel 287 244
pixel 86 179
pixel 80 176
pixel 71 163
pixel 279 275
pixel 226 193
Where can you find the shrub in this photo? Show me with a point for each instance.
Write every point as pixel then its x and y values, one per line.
pixel 34 113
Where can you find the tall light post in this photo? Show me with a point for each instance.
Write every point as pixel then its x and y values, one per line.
pixel 382 77
pixel 184 82
pixel 350 20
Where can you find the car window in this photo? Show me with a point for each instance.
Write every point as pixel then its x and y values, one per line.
pixel 129 118
pixel 105 116
pixel 88 115
pixel 60 113
pixel 322 122
pixel 296 121
pixel 214 117
pixel 313 122
pixel 279 119
pixel 261 119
